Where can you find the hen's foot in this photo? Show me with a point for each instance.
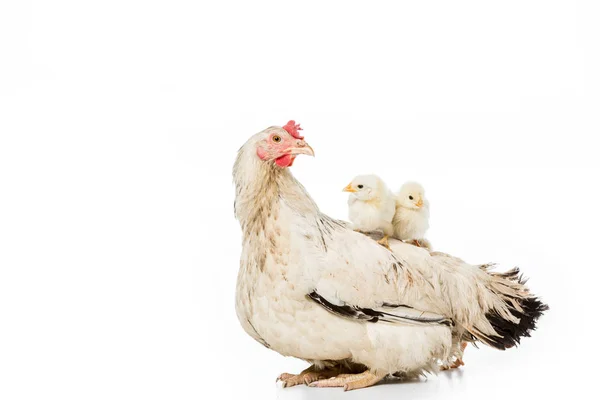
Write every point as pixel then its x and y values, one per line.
pixel 458 362
pixel 351 381
pixel 306 377
pixel 384 242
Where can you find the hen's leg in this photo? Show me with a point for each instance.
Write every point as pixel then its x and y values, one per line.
pixel 351 381
pixel 458 362
pixel 309 375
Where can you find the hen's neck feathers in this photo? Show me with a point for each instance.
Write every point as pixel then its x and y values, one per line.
pixel 261 187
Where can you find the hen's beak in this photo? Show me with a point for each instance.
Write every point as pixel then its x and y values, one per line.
pixel 420 203
pixel 349 188
pixel 302 148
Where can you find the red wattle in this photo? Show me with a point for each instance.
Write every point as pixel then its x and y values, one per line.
pixel 285 161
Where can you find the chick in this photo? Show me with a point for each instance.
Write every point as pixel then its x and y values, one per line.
pixel 411 219
pixel 371 206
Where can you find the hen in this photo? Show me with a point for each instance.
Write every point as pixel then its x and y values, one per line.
pixel 312 288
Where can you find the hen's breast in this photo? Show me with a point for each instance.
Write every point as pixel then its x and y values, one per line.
pixel 275 276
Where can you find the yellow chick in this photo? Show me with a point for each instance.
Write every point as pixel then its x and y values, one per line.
pixel 411 219
pixel 371 206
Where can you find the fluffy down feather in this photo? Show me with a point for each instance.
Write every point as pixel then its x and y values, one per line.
pixel 371 205
pixel 411 219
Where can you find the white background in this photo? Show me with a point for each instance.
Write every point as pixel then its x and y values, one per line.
pixel 119 124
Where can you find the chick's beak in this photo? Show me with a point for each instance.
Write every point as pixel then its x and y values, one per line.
pixel 420 203
pixel 349 188
pixel 301 148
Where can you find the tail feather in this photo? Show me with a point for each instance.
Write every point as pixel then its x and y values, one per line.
pixel 524 308
pixel 496 308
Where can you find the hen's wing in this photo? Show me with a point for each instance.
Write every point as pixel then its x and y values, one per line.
pixel 393 313
pixel 361 279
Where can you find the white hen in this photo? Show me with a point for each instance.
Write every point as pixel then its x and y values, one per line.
pixel 411 219
pixel 371 205
pixel 312 288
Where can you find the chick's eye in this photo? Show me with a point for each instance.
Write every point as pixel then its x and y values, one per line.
pixel 360 186
pixel 410 197
pixel 276 139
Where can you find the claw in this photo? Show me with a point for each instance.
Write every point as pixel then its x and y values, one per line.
pixel 283 377
pixel 306 377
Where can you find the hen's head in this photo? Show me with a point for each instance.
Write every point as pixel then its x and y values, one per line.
pixel 412 196
pixel 281 145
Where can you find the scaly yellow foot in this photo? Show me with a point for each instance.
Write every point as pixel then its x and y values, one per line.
pixel 306 377
pixel 384 242
pixel 351 381
pixel 424 243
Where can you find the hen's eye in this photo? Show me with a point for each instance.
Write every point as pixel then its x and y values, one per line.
pixel 277 139
pixel 360 186
pixel 410 197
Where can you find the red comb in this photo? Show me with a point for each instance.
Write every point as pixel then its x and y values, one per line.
pixel 292 128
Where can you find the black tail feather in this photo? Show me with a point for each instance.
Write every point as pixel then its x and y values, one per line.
pixel 510 332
